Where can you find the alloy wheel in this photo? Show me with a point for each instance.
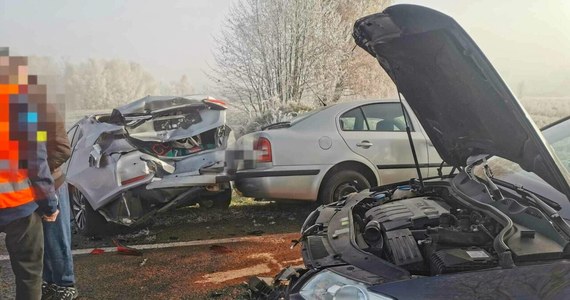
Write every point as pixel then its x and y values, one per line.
pixel 78 208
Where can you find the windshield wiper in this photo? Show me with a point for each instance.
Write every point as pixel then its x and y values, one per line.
pixel 277 125
pixel 553 214
pixel 496 194
pixel 547 206
pixel 519 189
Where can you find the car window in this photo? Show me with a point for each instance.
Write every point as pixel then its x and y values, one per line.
pixel 385 117
pixel 562 150
pixel 353 120
pixel 558 137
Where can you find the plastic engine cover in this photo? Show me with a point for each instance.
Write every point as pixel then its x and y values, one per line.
pixel 459 260
pixel 403 247
pixel 408 213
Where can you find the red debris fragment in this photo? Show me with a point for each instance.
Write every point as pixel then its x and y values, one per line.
pixel 126 250
pixel 97 251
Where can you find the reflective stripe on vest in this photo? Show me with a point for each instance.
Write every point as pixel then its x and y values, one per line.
pixel 15 189
pixel 14 194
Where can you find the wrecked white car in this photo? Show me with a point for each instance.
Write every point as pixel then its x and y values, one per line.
pixel 146 157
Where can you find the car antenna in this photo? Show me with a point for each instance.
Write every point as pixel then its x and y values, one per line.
pixel 316 95
pixel 408 131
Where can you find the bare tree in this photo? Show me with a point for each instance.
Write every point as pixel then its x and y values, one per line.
pixel 295 50
pixel 182 86
pixel 106 83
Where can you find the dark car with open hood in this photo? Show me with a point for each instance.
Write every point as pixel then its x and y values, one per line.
pixel 495 227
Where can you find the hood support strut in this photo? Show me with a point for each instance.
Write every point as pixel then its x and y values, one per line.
pixel 413 148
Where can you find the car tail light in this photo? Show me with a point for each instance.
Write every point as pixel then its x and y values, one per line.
pixel 219 103
pixel 263 145
pixel 134 179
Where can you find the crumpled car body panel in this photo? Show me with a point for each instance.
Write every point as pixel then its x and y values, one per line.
pixel 111 157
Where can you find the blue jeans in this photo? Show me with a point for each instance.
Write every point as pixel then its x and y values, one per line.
pixel 58 262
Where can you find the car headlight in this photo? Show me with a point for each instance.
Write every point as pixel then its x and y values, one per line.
pixel 328 285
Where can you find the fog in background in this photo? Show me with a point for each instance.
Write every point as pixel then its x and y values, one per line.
pixel 527 41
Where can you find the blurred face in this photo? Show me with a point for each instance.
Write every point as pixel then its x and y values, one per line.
pixel 13 70
pixel 22 75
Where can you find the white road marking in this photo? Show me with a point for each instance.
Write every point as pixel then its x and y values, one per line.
pixel 295 261
pixel 268 257
pixel 174 244
pixel 220 277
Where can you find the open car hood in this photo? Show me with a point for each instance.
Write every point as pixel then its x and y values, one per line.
pixel 459 98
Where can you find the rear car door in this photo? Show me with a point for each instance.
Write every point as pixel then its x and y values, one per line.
pixel 377 131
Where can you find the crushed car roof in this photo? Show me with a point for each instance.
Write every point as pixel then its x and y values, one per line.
pixel 167 118
pixel 460 99
pixel 150 104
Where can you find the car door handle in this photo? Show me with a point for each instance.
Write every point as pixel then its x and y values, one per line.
pixel 364 144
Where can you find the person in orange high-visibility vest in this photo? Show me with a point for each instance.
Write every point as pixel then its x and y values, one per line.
pixel 26 185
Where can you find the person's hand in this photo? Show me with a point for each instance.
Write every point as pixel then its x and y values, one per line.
pixel 51 218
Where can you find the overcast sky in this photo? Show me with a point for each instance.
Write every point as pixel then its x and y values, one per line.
pixel 527 40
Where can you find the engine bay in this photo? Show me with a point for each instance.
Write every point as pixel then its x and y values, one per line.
pixel 432 231
pixel 426 235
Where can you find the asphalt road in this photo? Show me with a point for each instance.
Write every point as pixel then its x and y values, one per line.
pixel 208 271
pixel 214 271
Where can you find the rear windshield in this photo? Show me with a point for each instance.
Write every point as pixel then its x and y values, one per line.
pixel 304 116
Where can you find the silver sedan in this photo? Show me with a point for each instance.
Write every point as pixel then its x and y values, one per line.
pixel 332 152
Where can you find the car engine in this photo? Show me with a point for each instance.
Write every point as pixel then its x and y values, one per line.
pixel 426 235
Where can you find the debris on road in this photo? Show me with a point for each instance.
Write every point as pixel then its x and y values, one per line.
pixel 260 286
pixel 97 251
pixel 150 238
pixel 185 270
pixel 121 249
pixel 272 288
pixel 135 235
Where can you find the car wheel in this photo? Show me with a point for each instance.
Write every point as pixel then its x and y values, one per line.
pixel 221 200
pixel 87 221
pixel 341 184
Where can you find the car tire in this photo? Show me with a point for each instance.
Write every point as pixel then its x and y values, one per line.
pixel 341 184
pixel 220 201
pixel 87 221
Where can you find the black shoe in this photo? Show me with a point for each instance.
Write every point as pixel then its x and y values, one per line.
pixel 65 293
pixel 48 290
